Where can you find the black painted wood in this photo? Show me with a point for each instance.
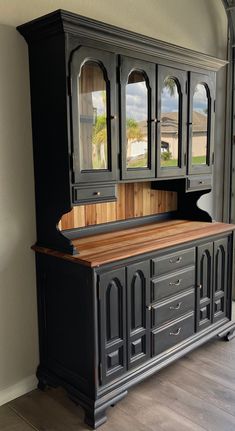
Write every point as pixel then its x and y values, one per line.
pixel 180 78
pixel 126 66
pixel 208 80
pixel 112 312
pixel 220 284
pixel 138 313
pixel 107 62
pixel 204 285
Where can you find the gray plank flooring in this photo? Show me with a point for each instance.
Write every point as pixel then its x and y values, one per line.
pixel 194 394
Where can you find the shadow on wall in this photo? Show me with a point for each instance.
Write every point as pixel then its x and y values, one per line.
pixel 18 327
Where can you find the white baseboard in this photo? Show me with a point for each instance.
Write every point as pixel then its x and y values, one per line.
pixel 20 388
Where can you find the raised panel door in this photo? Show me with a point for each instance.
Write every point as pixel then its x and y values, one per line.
pixel 220 278
pixel 204 285
pixel 138 313
pixel 112 324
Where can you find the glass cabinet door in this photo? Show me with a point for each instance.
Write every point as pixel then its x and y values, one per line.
pixel 171 142
pixel 201 113
pixel 94 121
pixel 137 79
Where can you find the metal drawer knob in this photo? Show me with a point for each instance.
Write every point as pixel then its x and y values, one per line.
pixel 176 333
pixel 175 283
pixel 178 260
pixel 201 182
pixel 97 193
pixel 149 307
pixel 177 307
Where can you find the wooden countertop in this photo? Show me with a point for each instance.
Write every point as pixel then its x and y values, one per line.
pixel 104 248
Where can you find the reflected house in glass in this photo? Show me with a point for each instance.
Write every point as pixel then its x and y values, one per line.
pixel 169 134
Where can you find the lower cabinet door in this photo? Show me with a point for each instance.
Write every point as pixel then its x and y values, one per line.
pixel 138 313
pixel 204 285
pixel 221 250
pixel 112 322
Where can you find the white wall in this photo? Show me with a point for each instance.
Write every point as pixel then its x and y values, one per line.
pixel 200 25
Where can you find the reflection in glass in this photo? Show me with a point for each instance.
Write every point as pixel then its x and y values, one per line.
pixel 199 125
pixel 137 120
pixel 92 117
pixel 169 124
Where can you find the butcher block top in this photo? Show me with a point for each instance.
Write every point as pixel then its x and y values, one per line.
pixel 100 249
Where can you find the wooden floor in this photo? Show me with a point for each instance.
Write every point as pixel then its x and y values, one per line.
pixel 196 393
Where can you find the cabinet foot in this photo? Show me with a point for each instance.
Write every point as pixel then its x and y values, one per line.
pixel 228 334
pixel 45 380
pixel 95 418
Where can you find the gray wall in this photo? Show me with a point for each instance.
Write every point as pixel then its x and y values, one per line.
pixel 199 25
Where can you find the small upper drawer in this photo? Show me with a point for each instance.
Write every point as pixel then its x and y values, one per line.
pixel 173 284
pixel 197 182
pixel 171 262
pixel 173 308
pixel 93 194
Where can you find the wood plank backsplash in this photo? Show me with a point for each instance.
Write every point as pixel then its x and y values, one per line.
pixel 133 200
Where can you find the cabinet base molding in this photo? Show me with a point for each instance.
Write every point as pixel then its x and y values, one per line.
pixel 110 394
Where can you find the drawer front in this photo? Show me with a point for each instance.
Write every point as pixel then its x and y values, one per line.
pixel 170 285
pixel 94 194
pixel 174 308
pixel 197 182
pixel 170 335
pixel 173 261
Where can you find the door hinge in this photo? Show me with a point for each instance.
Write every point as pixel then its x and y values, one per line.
pixel 69 85
pixel 100 371
pixel 213 158
pixel 119 161
pixel 186 87
pixel 185 159
pixel 214 104
pixel 98 289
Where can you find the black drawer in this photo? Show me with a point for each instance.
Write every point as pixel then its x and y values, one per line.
pixel 172 261
pixel 169 335
pixel 198 182
pixel 173 308
pixel 172 284
pixel 100 193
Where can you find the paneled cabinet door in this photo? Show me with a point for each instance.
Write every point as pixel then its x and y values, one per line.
pixel 220 278
pixel 172 122
pixel 204 285
pixel 138 313
pixel 112 327
pixel 94 115
pixel 201 123
pixel 137 83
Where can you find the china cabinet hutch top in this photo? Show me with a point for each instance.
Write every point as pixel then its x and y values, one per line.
pixel 89 135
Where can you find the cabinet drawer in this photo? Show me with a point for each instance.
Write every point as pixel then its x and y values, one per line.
pixel 197 182
pixel 172 261
pixel 94 194
pixel 172 309
pixel 170 285
pixel 168 336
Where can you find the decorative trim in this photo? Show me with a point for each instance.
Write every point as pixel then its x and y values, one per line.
pixel 21 388
pixel 62 21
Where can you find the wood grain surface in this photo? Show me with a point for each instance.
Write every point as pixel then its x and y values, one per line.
pixel 133 200
pixel 100 249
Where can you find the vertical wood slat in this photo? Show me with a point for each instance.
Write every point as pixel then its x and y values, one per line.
pixel 134 200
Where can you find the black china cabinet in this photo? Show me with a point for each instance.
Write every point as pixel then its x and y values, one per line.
pixel 139 276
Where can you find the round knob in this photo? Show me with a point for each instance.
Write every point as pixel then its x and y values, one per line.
pixel 97 193
pixel 149 307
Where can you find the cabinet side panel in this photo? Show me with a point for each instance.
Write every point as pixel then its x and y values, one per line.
pixel 66 305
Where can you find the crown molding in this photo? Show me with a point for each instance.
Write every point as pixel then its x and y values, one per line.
pixel 62 21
